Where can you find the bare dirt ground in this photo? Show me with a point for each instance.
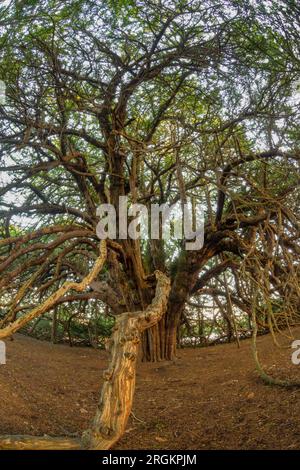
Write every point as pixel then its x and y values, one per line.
pixel 209 398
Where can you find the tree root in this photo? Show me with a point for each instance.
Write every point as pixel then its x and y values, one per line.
pixel 38 443
pixel 262 373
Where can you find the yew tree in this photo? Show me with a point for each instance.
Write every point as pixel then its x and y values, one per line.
pixel 163 102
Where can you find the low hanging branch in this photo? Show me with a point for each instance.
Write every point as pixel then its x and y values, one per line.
pixel 48 303
pixel 118 390
pixel 32 442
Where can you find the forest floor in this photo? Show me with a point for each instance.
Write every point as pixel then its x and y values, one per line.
pixel 209 398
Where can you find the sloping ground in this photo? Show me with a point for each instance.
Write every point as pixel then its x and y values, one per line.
pixel 209 398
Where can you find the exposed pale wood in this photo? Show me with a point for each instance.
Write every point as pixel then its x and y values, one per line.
pixel 50 301
pixel 38 443
pixel 118 390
